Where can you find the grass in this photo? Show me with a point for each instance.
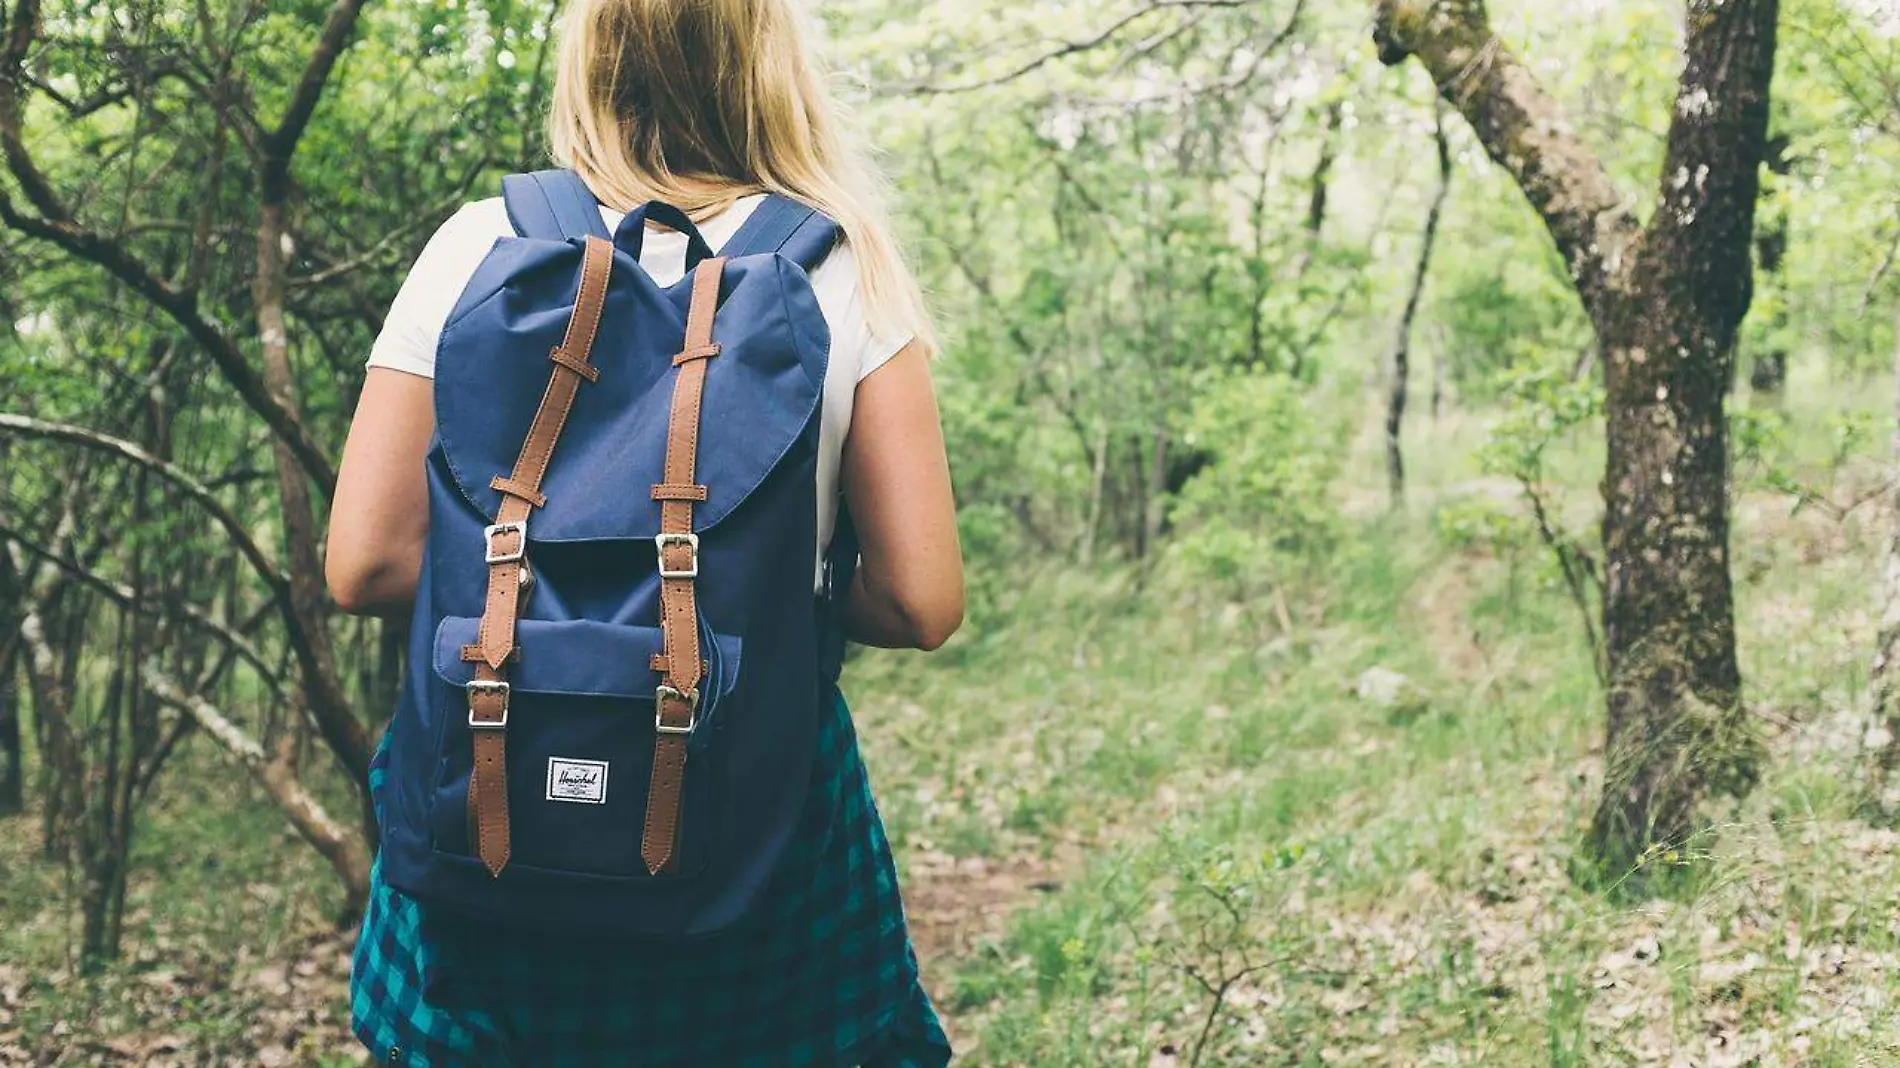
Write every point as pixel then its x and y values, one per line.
pixel 1144 824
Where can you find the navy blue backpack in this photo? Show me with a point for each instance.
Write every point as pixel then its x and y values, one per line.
pixel 617 662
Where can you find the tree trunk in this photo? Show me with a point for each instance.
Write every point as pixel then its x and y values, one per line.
pixel 61 766
pixel 342 729
pixel 1768 368
pixel 1319 192
pixel 12 754
pixel 1666 302
pixel 1884 678
pixel 1400 365
pixel 1440 358
pixel 1677 724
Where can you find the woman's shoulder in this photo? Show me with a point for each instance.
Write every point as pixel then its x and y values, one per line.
pixel 461 241
pixel 855 343
pixel 407 341
pixel 475 221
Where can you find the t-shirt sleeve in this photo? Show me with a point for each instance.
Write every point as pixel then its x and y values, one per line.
pixel 842 297
pixel 414 324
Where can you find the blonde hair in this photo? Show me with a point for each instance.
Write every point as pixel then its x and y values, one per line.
pixel 700 102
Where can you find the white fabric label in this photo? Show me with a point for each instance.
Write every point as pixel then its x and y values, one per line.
pixel 583 781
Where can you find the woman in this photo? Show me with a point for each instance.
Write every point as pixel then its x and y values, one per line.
pixel 706 105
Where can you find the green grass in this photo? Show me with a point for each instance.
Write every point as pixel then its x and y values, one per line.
pixel 1142 823
pixel 1406 878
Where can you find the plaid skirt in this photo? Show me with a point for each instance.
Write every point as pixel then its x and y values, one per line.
pixel 822 976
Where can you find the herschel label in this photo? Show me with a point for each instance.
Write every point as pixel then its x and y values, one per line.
pixel 580 781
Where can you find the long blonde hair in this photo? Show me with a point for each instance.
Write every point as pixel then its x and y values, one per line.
pixel 699 102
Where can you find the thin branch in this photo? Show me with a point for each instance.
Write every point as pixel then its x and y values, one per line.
pixel 50 220
pixel 183 309
pixel 277 146
pixel 127 598
pixel 1524 131
pixel 197 491
pixel 338 844
pixel 1077 47
pixel 1577 567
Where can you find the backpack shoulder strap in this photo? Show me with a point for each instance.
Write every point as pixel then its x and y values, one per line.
pixel 796 231
pixel 552 206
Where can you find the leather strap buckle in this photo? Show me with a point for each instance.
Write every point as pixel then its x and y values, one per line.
pixel 519 529
pixel 666 541
pixel 691 700
pixel 488 686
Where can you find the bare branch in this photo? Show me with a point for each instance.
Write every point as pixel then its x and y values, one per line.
pixel 339 844
pixel 1523 130
pixel 197 491
pixel 50 220
pixel 280 144
pixel 1086 44
pixel 127 598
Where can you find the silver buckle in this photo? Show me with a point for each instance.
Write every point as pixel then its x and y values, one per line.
pixel 691 697
pixel 476 686
pixel 691 541
pixel 490 533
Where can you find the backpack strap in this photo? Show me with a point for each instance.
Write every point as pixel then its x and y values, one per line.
pixel 676 701
pixel 506 549
pixel 799 232
pixel 839 569
pixel 552 205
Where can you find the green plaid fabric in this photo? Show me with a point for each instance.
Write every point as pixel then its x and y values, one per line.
pixel 822 976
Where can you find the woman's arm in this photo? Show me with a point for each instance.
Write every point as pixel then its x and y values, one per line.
pixel 381 513
pixel 908 593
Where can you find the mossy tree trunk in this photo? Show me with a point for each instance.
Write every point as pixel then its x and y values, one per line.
pixel 1667 299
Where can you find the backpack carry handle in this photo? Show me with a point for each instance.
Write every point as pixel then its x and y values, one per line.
pixel 631 234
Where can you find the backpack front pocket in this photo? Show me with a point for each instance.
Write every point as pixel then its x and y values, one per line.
pixel 580 742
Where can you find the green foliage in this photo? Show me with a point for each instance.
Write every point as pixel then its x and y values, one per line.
pixel 1261 513
pixel 1154 394
pixel 1544 408
pixel 1499 325
pixel 1474 524
pixel 1817 464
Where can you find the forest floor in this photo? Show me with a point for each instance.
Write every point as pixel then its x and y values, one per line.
pixel 1145 823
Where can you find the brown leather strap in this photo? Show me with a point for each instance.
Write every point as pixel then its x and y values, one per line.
pixel 507 548
pixel 696 352
pixel 676 704
pixel 503 484
pixel 488 777
pixel 575 363
pixel 665 492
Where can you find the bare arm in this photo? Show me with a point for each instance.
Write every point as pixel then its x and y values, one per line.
pixel 909 587
pixel 381 513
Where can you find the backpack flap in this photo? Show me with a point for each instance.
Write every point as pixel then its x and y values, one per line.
pixel 580 738
pixel 759 397
pixel 583 658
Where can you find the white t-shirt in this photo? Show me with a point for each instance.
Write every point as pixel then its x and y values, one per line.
pixel 414 325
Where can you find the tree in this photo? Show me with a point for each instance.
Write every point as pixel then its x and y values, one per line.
pixel 44 213
pixel 1666 299
pixel 204 210
pixel 1399 365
